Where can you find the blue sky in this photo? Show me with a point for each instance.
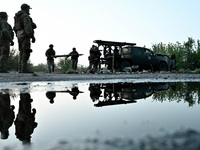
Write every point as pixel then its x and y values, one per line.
pixel 77 23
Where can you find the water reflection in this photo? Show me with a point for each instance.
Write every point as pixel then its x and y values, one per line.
pixel 189 92
pixel 124 93
pixel 101 94
pixel 74 92
pixel 7 115
pixel 25 121
pixel 51 95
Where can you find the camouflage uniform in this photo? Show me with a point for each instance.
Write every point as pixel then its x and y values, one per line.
pixel 74 58
pixel 24 29
pixel 6 39
pixel 50 60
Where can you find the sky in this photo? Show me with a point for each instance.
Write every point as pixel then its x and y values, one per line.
pixel 77 23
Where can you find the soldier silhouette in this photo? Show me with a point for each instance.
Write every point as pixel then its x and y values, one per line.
pixel 7 115
pixel 50 59
pixel 25 121
pixel 51 95
pixel 74 92
pixel 24 29
pixel 6 40
pixel 74 57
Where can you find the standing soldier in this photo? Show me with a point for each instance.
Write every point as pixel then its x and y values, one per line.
pixel 24 29
pixel 74 57
pixel 6 39
pixel 50 60
pixel 94 59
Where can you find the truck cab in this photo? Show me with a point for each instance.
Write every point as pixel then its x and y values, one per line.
pixel 144 58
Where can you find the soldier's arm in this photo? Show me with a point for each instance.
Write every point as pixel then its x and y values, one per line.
pixel 6 32
pixel 28 26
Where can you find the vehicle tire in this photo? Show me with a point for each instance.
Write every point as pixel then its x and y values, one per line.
pixel 163 67
pixel 123 65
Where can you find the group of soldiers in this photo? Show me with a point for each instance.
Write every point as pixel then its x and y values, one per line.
pixel 24 30
pixel 51 54
pixel 24 121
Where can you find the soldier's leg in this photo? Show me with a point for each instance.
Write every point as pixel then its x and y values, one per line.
pixel 1 65
pixel 26 44
pixel 25 58
pixel 73 64
pixel 4 57
pixel 53 66
pixel 49 65
pixel 20 54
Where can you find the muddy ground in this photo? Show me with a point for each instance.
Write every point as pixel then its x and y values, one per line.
pixel 138 76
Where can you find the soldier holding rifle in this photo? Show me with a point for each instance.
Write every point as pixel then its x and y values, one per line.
pixel 74 57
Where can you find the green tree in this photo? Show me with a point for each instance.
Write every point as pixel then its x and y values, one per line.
pixel 64 65
pixel 13 59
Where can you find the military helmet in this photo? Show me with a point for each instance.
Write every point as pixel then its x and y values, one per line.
pixel 25 6
pixel 51 45
pixel 3 15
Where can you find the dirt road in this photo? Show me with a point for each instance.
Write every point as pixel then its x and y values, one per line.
pixel 37 77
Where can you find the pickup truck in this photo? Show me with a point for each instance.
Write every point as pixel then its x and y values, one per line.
pixel 122 55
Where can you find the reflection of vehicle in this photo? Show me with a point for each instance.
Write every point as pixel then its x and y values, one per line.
pixel 124 93
pixel 119 55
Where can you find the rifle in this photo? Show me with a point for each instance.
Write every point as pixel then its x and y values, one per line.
pixel 55 56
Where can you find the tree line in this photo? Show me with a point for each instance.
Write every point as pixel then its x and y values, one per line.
pixel 187 58
pixel 187 54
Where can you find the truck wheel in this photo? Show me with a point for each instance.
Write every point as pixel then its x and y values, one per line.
pixel 124 64
pixel 163 66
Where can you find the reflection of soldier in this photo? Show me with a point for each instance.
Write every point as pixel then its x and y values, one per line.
pixel 6 39
pixel 94 58
pixel 50 60
pixel 74 92
pixel 116 58
pixel 24 29
pixel 74 58
pixel 25 121
pixel 51 95
pixel 6 115
pixel 95 92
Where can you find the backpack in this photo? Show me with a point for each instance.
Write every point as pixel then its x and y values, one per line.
pixel 18 25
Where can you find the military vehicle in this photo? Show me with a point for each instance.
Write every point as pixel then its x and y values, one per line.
pixel 119 56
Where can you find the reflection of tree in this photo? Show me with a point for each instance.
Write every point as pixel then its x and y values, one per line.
pixel 6 115
pixel 185 91
pixel 25 121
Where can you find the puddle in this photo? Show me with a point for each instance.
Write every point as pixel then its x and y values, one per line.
pixel 69 115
